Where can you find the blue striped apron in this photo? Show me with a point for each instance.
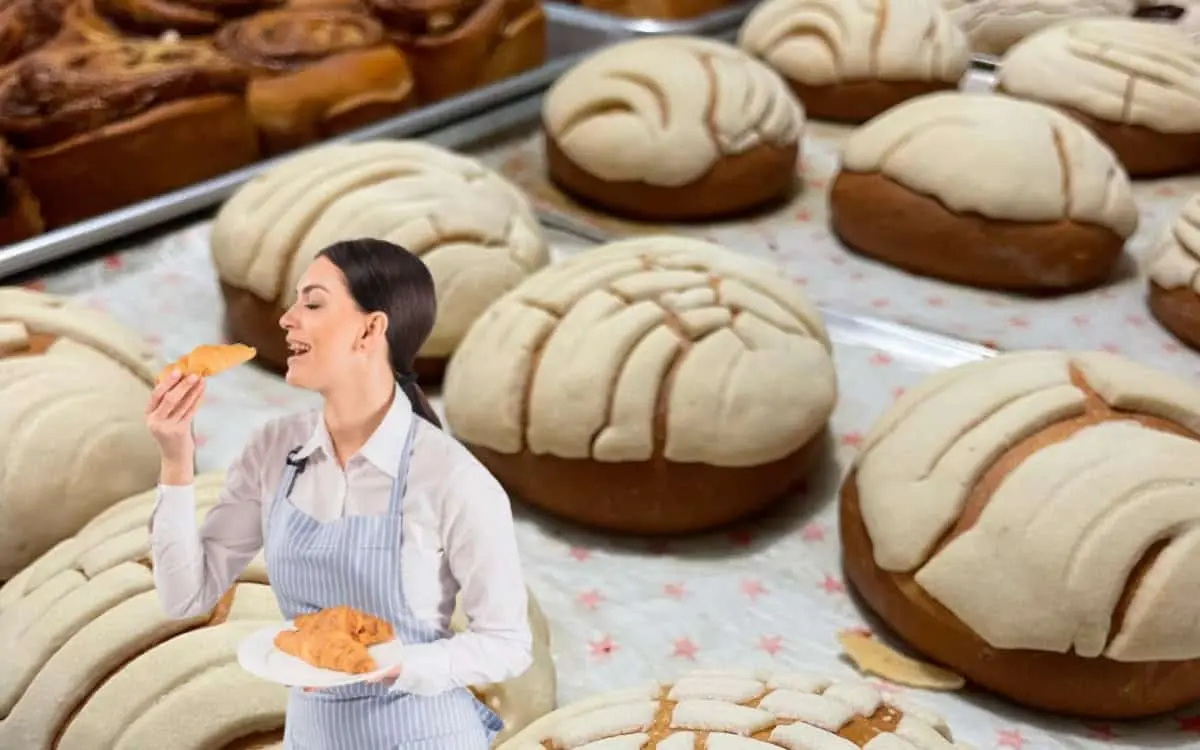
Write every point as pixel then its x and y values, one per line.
pixel 355 560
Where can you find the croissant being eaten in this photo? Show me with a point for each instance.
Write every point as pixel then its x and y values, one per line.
pixel 210 359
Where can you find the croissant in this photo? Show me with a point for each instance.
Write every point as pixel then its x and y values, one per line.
pixel 362 627
pixel 208 359
pixel 326 649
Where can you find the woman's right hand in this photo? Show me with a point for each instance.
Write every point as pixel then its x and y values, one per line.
pixel 169 413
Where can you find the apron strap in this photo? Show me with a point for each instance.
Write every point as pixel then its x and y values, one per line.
pixel 400 486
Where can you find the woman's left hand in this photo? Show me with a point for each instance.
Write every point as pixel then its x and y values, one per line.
pixel 387 677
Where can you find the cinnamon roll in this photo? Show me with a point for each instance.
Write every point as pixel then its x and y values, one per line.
pixel 458 45
pixel 102 125
pixel 316 73
pixel 26 25
pixel 19 215
pixel 95 20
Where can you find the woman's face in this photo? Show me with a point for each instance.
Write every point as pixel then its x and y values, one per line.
pixel 328 337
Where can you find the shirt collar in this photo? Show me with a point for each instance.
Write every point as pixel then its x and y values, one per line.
pixel 383 449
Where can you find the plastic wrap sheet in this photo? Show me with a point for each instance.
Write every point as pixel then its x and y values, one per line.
pixel 767 594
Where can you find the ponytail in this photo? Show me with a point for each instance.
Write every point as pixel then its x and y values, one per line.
pixel 416 397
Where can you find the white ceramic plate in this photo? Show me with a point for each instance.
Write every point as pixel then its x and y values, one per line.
pixel 258 656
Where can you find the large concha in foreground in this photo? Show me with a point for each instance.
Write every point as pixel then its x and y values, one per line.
pixel 1032 521
pixel 73 390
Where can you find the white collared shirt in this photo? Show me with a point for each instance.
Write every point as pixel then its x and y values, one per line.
pixel 458 536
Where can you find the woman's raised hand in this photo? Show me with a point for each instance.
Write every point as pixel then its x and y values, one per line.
pixel 169 413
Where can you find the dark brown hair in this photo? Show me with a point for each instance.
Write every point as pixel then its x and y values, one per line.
pixel 386 278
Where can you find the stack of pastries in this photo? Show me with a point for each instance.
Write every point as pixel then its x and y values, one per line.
pixel 104 103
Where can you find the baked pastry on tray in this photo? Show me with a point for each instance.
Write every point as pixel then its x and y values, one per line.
pixel 739 709
pixel 1174 271
pixel 20 217
pixel 96 20
pixel 458 45
pixel 995 25
pixel 985 190
pixel 26 25
pixel 317 72
pixel 475 230
pixel 673 128
pixel 655 385
pixel 73 440
pixel 1032 522
pixel 102 125
pixel 1134 83
pixel 849 60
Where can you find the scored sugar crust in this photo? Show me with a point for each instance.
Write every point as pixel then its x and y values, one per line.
pixel 995 25
pixel 852 59
pixel 659 384
pixel 474 230
pixel 1054 213
pixel 96 662
pixel 1174 270
pixel 73 390
pixel 739 710
pixel 697 124
pixel 1135 83
pixel 1033 522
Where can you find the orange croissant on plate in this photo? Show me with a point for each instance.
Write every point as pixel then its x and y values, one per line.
pixel 362 627
pixel 327 649
pixel 210 359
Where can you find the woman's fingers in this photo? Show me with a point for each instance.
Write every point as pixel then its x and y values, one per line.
pixel 185 407
pixel 161 389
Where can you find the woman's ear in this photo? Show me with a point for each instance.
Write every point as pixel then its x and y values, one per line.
pixel 376 327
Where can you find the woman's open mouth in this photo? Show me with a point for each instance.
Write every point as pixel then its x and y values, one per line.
pixel 296 350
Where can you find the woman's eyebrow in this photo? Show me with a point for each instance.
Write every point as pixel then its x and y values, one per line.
pixel 312 288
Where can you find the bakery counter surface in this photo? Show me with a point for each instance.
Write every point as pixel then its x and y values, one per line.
pixel 767 594
pixel 567 39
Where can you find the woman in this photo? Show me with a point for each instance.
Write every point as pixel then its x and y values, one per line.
pixel 364 503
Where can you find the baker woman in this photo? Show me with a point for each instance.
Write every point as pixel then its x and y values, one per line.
pixel 366 503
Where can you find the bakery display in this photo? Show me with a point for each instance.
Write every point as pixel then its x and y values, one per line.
pixel 73 390
pixel 1173 268
pixel 317 72
pixel 100 126
pixel 739 709
pixel 458 45
pixel 653 385
pixel 102 20
pixel 1031 522
pixel 995 25
pixel 26 25
pixel 476 231
pixel 140 680
pixel 1134 83
pixel 849 60
pixel 673 128
pixel 1053 214
pixel 210 359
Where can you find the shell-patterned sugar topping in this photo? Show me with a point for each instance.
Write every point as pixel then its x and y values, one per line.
pixel 825 42
pixel 1175 260
pixel 658 345
pixel 664 110
pixel 475 230
pixel 1041 165
pixel 738 710
pixel 994 25
pixel 1050 500
pixel 1119 70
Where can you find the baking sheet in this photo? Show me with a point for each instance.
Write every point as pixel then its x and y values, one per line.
pixel 566 41
pixel 619 27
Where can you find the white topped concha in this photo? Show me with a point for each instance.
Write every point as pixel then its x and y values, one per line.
pixel 993 26
pixel 86 633
pixel 1037 164
pixel 73 390
pixel 1123 71
pixel 475 230
pixel 739 710
pixel 664 110
pixel 1175 261
pixel 592 356
pixel 826 42
pixel 1047 559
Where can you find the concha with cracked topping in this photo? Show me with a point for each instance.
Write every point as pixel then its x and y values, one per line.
pixel 849 60
pixel 1033 522
pixel 739 710
pixel 1135 83
pixel 1174 271
pixel 73 391
pixel 1053 213
pixel 141 681
pixel 658 367
pixel 995 25
pixel 474 229
pixel 673 128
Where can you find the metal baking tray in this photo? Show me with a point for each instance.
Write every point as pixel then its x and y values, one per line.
pixel 567 43
pixel 625 27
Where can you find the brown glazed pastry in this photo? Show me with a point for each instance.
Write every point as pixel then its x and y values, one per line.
pixel 1174 272
pixel 317 72
pixel 459 45
pixel 100 126
pixel 26 25
pixel 20 217
pixel 95 20
pixel 1032 522
pixel 1052 215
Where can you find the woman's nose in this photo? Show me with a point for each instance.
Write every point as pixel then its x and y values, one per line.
pixel 286 322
